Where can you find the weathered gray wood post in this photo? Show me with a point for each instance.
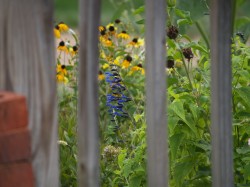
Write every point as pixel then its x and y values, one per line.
pixel 27 66
pixel 157 151
pixel 88 138
pixel 221 90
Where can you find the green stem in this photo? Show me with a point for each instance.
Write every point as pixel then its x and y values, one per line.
pixel 186 69
pixel 204 36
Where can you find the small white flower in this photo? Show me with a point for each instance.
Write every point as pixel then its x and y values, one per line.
pixel 249 141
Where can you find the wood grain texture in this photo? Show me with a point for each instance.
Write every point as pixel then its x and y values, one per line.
pixel 157 165
pixel 27 66
pixel 88 136
pixel 221 89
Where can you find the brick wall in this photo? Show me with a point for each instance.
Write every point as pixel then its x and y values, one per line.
pixel 15 142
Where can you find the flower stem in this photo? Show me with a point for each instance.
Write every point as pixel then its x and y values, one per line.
pixel 186 69
pixel 204 36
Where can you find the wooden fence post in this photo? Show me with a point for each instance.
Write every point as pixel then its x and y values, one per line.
pixel 27 66
pixel 157 151
pixel 221 89
pixel 88 139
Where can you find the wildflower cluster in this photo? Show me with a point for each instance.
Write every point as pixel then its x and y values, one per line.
pixel 121 55
pixel 67 54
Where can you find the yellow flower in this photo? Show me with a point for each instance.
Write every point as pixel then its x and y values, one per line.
pixel 57 33
pixel 106 42
pixel 116 62
pixel 101 28
pixel 126 62
pixel 111 29
pixel 123 35
pixel 61 78
pixel 136 42
pixel 101 76
pixel 105 66
pixel 63 27
pixel 62 47
pixel 73 50
pixel 61 69
pixel 138 68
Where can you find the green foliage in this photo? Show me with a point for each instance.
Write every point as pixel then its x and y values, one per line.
pixel 123 141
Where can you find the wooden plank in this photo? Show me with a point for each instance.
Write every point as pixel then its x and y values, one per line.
pixel 222 150
pixel 88 139
pixel 157 151
pixel 27 66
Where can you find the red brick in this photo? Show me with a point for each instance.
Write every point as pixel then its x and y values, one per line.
pixel 16 175
pixel 15 146
pixel 13 111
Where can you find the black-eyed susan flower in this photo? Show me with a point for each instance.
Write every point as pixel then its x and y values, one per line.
pixel 57 33
pixel 73 50
pixel 111 29
pixel 102 28
pixel 61 69
pixel 136 42
pixel 62 47
pixel 101 76
pixel 123 35
pixel 126 62
pixel 61 78
pixel 138 68
pixel 106 41
pixel 63 27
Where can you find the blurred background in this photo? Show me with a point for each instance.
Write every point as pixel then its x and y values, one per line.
pixel 67 11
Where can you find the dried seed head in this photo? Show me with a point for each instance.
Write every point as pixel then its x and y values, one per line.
pixel 170 63
pixel 188 54
pixel 172 32
pixel 117 21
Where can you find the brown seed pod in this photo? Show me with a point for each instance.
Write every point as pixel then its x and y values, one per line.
pixel 172 32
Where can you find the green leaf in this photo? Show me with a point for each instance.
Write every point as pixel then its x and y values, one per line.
pixel 142 21
pixel 135 180
pixel 175 142
pixel 178 109
pixel 246 171
pixel 244 94
pixel 181 22
pixel 121 158
pixel 139 10
pixel 182 169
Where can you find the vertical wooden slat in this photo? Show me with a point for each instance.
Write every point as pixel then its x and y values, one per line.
pixel 222 150
pixel 27 66
pixel 88 139
pixel 157 166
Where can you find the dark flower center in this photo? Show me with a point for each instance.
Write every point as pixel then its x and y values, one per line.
pixel 124 32
pixel 139 65
pixel 57 27
pixel 128 58
pixel 135 40
pixel 63 66
pixel 117 21
pixel 62 43
pixel 111 28
pixel 75 48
